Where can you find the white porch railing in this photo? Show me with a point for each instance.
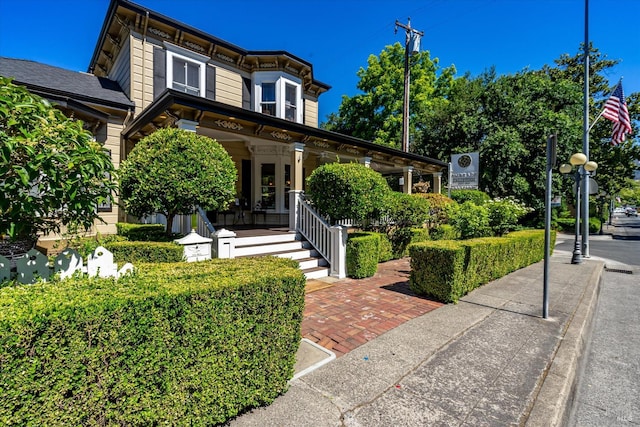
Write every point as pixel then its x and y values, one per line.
pixel 329 241
pixel 204 228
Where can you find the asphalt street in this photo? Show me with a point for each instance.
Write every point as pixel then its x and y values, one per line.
pixel 608 387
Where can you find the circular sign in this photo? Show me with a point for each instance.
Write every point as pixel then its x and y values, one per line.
pixel 464 161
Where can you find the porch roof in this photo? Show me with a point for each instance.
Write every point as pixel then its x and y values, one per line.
pixel 173 105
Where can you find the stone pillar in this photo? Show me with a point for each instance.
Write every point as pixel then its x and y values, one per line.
pixel 407 176
pixel 189 125
pixel 437 182
pixel 366 161
pixel 297 181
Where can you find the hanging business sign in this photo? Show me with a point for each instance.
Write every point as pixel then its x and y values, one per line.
pixel 465 171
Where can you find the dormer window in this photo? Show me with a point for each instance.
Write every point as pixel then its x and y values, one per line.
pixel 278 94
pixel 186 76
pixel 186 70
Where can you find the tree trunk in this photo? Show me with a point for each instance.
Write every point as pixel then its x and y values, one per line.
pixel 169 223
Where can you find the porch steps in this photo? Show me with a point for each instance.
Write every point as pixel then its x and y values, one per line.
pixel 286 245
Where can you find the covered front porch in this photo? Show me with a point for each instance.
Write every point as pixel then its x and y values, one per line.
pixel 273 157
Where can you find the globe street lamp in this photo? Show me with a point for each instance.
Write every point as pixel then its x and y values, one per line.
pixel 583 170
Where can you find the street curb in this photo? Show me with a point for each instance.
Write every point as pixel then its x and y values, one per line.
pixel 553 402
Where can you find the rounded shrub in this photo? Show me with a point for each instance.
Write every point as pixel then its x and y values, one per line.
pixel 476 196
pixel 346 191
pixel 470 220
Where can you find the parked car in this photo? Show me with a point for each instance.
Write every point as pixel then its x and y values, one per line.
pixel 631 212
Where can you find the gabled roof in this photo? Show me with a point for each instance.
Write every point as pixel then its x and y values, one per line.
pixel 65 83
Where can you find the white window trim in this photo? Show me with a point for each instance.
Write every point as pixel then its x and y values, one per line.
pixel 281 80
pixel 174 51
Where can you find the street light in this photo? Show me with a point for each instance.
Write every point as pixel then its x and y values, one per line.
pixel 583 170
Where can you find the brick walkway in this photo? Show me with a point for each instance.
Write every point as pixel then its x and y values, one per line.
pixel 351 312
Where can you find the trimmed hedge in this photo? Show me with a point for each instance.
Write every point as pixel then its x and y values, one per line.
pixel 146 252
pixel 363 250
pixel 385 252
pixel 449 269
pixel 173 344
pixel 444 232
pixel 142 232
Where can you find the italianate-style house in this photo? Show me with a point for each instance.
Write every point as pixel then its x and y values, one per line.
pixel 150 71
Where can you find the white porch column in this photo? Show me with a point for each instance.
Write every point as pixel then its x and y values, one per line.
pixel 437 182
pixel 407 176
pixel 297 167
pixel 185 124
pixel 365 161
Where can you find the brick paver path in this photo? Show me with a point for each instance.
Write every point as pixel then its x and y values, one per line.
pixel 352 312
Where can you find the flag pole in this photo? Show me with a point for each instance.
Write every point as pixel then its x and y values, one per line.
pixel 585 137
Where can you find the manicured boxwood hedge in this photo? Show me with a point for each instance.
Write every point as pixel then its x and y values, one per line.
pixel 449 269
pixel 173 344
pixel 362 254
pixel 149 252
pixel 142 232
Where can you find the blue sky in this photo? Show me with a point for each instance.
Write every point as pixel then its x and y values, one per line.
pixel 337 36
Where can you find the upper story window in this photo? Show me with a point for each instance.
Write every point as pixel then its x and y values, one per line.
pixel 278 94
pixel 290 102
pixel 186 70
pixel 268 103
pixel 186 76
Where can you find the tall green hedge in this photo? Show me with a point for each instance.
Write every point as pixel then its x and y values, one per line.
pixel 173 344
pixel 449 269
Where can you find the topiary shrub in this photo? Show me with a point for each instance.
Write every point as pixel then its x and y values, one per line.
pixel 346 191
pixel 475 196
pixel 363 250
pixel 172 170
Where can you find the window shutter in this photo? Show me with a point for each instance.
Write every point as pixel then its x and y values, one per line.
pixel 246 93
pixel 211 82
pixel 159 71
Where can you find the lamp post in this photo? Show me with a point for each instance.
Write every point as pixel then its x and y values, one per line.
pixel 583 170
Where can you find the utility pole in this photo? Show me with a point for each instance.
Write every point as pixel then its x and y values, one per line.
pixel 585 138
pixel 411 46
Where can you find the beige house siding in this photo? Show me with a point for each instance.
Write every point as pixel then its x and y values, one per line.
pixel 110 136
pixel 141 72
pixel 311 112
pixel 228 87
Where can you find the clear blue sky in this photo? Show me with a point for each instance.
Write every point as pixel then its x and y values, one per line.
pixel 337 36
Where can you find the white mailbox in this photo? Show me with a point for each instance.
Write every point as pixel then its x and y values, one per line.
pixel 196 247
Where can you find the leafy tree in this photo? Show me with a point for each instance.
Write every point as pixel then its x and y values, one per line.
pixel 376 114
pixel 172 171
pixel 52 172
pixel 346 191
pixel 614 163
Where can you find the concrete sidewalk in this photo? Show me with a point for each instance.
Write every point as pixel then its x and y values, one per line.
pixel 489 360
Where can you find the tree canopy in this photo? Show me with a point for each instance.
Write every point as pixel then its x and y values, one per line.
pixel 172 171
pixel 376 114
pixel 52 172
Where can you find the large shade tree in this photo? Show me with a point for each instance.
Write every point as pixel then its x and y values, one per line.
pixel 376 114
pixel 172 171
pixel 52 172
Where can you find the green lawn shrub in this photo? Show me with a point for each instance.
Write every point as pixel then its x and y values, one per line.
pixel 477 197
pixel 363 250
pixel 444 232
pixel 568 225
pixel 142 232
pixel 385 252
pixel 145 252
pixel 448 269
pixel 172 344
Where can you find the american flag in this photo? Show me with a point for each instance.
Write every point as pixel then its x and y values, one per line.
pixel 615 109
